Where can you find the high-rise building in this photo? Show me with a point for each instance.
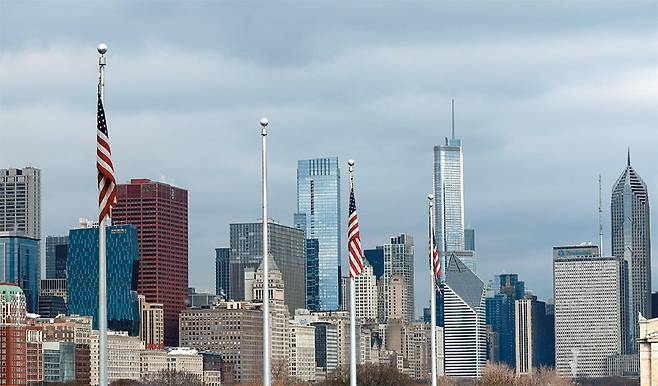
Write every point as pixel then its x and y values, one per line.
pixel 654 305
pixel 631 241
pixel 312 274
pixel 469 239
pixel 318 214
pixel 160 212
pixel 20 201
pixel 449 193
pixel 122 356
pixel 366 296
pixel 511 289
pixel 52 297
pixel 13 370
pixel 122 267
pixel 465 334
pixel 56 254
pixel 590 295
pixel 151 324
pixel 326 347
pixel 19 264
pixel 302 351
pixel 34 355
pixel 222 277
pixel 397 299
pixel 286 247
pixel 399 261
pixel 535 344
pixel 376 259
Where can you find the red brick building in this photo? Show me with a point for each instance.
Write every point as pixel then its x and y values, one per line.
pixel 160 212
pixel 12 336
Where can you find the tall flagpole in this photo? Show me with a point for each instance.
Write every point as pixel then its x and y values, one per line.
pixel 267 373
pixel 102 275
pixel 350 163
pixel 430 198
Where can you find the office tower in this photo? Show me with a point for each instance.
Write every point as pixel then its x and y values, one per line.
pixel 376 259
pixel 122 267
pixel 222 281
pixel 313 274
pixel 122 356
pixel 302 351
pixel 469 239
pixel 56 254
pixel 286 246
pixel 449 193
pixel 20 201
pixel 340 319
pixel 500 315
pixel 326 347
pixel 53 287
pixel 465 334
pixel 589 310
pixel 399 261
pixel 397 299
pixel 535 345
pixel 52 297
pixel 19 264
pixel 365 294
pixel 159 211
pixel 12 335
pixel 151 324
pixel 318 215
pixel 469 258
pixel 234 329
pixel 631 241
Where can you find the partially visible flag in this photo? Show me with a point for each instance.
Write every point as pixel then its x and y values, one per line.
pixel 354 243
pixel 435 256
pixel 107 188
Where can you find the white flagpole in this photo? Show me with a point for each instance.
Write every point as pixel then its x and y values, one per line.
pixel 433 286
pixel 267 373
pixel 352 303
pixel 102 275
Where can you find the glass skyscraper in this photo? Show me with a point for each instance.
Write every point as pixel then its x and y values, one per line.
pixel 631 241
pixel 449 195
pixel 56 253
pixel 222 277
pixel 318 214
pixel 399 261
pixel 122 273
pixel 19 264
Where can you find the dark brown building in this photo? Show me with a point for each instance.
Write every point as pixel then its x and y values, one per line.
pixel 159 211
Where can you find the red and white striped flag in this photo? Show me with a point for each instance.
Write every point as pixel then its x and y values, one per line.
pixel 107 187
pixel 354 244
pixel 435 257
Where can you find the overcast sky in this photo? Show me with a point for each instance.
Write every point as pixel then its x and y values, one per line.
pixel 548 95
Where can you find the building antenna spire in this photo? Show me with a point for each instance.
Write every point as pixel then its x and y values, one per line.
pixel 453 119
pixel 600 218
pixel 629 156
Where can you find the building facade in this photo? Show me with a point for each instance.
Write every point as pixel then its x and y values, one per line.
pixel 449 193
pixel 222 276
pixel 535 344
pixel 302 351
pixel 56 253
pixel 20 201
pixel 12 336
pixel 123 353
pixel 648 341
pixel 631 236
pixel 399 261
pixel 151 324
pixel 318 215
pixel 160 213
pixel 20 264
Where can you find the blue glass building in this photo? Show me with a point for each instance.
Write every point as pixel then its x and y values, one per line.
pixel 376 258
pixel 122 274
pixel 312 275
pixel 500 315
pixel 222 276
pixel 19 264
pixel 318 214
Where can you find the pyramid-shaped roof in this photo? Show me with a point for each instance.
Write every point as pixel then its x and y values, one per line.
pixel 463 282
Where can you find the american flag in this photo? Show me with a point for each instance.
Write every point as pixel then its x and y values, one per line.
pixel 436 257
pixel 354 244
pixel 107 188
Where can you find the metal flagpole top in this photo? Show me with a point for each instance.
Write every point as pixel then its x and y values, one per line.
pixel 430 197
pixel 263 124
pixel 102 50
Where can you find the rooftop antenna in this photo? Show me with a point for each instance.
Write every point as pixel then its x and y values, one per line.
pixel 600 219
pixel 629 156
pixel 453 119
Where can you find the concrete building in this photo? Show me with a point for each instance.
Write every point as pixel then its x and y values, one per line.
pixel 590 306
pixel 12 335
pixel 648 341
pixel 179 359
pixel 366 294
pixel 20 201
pixel 397 299
pixel 151 324
pixel 399 261
pixel 200 299
pixel 302 351
pixel 341 320
pixel 535 341
pixel 123 360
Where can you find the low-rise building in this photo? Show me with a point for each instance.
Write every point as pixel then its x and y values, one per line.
pixel 123 360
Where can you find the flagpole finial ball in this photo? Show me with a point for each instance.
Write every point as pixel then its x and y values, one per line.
pixel 430 197
pixel 264 122
pixel 350 162
pixel 102 48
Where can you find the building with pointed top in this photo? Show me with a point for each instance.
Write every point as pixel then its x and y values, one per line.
pixel 631 241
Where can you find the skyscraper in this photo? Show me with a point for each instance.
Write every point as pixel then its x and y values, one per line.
pixel 19 264
pixel 286 246
pixel 449 193
pixel 122 269
pixel 399 261
pixel 56 253
pixel 631 241
pixel 318 214
pixel 159 211
pixel 12 335
pixel 20 201
pixel 535 340
pixel 589 310
pixel 465 334
pixel 222 276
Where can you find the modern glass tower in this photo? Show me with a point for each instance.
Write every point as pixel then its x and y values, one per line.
pixel 631 241
pixel 318 214
pixel 399 261
pixel 449 193
pixel 56 253
pixel 19 264
pixel 222 277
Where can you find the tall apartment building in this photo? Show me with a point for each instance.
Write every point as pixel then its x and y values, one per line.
pixel 449 192
pixel 286 247
pixel 302 351
pixel 151 324
pixel 20 201
pixel 222 272
pixel 397 299
pixel 631 240
pixel 535 339
pixel 318 215
pixel 590 310
pixel 465 334
pixel 122 269
pixel 160 213
pixel 56 254
pixel 399 261
pixel 19 264
pixel 12 335
pixel 365 286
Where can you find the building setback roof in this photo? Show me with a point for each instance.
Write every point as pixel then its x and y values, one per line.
pixel 463 282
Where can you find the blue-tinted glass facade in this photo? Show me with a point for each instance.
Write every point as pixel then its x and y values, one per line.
pixel 222 277
pixel 19 264
pixel 56 253
pixel 376 258
pixel 500 315
pixel 122 268
pixel 312 275
pixel 318 199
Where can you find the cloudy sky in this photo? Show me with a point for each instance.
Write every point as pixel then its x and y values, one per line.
pixel 548 95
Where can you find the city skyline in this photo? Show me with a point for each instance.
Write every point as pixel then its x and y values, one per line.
pixel 582 113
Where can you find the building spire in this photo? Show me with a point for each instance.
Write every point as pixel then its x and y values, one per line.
pixel 453 119
pixel 629 156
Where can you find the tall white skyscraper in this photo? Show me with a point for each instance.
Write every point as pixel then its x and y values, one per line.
pixel 589 310
pixel 449 193
pixel 20 201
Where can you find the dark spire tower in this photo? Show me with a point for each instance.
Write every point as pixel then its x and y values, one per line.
pixel 631 241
